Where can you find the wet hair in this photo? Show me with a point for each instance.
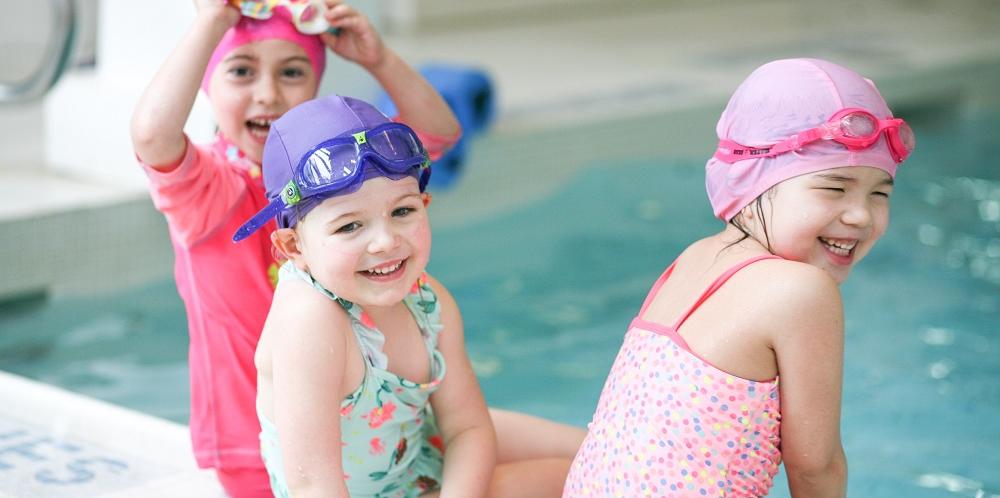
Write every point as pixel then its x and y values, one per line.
pixel 758 206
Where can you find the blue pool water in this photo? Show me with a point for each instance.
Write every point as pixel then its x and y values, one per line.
pixel 547 290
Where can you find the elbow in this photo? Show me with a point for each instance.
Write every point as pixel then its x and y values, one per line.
pixel 155 146
pixel 144 132
pixel 818 476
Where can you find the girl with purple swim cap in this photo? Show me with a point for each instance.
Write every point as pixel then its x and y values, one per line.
pixel 364 385
pixel 693 406
pixel 253 71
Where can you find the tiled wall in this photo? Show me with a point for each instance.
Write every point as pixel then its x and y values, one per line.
pixel 91 249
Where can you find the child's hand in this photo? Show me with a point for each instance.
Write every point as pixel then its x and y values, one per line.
pixel 222 10
pixel 357 40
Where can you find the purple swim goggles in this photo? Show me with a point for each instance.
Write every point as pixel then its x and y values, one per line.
pixel 337 166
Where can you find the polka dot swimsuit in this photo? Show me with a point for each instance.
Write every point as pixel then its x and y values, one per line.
pixel 668 423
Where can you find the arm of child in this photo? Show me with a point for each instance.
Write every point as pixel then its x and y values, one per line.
pixel 157 126
pixel 469 440
pixel 308 358
pixel 809 345
pixel 420 105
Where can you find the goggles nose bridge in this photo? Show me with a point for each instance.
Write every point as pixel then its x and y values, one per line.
pixel 367 154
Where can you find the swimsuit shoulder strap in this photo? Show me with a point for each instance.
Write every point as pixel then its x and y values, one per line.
pixel 718 282
pixel 656 287
pixel 423 304
pixel 289 270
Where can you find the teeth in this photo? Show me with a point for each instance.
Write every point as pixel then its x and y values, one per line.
pixel 261 122
pixel 842 248
pixel 385 270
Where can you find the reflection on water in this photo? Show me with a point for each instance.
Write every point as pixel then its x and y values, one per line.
pixel 546 292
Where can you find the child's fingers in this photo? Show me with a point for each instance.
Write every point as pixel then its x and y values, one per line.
pixel 219 9
pixel 340 11
pixel 354 21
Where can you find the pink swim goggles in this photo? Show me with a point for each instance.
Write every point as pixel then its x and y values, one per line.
pixel 856 129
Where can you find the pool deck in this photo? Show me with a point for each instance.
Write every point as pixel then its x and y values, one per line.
pixel 56 444
pixel 584 69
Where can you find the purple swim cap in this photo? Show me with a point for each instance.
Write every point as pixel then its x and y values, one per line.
pixel 778 100
pixel 297 133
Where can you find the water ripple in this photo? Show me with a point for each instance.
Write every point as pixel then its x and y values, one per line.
pixel 955 484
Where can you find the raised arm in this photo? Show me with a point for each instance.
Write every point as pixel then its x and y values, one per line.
pixel 420 105
pixel 470 443
pixel 157 126
pixel 809 345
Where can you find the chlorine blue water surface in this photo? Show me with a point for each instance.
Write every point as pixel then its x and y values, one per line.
pixel 548 288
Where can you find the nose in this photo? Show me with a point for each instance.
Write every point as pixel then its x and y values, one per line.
pixel 266 90
pixel 384 239
pixel 858 214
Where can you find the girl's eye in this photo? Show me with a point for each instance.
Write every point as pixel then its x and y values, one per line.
pixel 349 228
pixel 403 211
pixel 881 194
pixel 292 72
pixel 241 72
pixel 833 189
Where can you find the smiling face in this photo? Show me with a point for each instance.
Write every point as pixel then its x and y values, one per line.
pixel 254 85
pixel 830 219
pixel 368 246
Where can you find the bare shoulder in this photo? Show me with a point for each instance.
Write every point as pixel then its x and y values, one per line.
pixel 301 313
pixel 790 295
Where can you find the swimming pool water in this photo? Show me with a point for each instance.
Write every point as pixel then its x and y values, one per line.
pixel 547 289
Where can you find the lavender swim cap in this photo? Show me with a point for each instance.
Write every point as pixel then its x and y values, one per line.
pixel 778 100
pixel 299 131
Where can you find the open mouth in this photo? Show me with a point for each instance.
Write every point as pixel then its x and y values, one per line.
pixel 259 127
pixel 843 248
pixel 385 271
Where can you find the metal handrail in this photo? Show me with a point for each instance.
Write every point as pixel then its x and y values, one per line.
pixel 54 60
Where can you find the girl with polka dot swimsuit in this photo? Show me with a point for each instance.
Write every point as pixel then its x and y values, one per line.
pixel 734 363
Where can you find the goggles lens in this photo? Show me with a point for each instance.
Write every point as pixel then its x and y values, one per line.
pixel 330 165
pixel 907 137
pixel 858 125
pixel 395 145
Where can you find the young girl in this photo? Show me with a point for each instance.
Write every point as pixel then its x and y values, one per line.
pixel 693 405
pixel 364 387
pixel 253 71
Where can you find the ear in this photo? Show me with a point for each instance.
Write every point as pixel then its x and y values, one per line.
pixel 426 197
pixel 286 241
pixel 747 213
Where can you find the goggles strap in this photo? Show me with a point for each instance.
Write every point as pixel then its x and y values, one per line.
pixel 425 174
pixel 289 197
pixel 259 219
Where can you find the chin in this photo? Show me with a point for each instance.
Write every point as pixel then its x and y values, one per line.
pixel 386 299
pixel 839 275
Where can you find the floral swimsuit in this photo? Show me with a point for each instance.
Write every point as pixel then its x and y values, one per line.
pixel 391 444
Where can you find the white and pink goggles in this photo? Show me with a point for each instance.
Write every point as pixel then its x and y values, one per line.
pixel 856 129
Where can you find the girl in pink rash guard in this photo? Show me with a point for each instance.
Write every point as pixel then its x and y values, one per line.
pixel 693 405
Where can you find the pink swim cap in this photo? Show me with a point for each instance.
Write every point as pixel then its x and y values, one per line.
pixel 280 26
pixel 778 100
